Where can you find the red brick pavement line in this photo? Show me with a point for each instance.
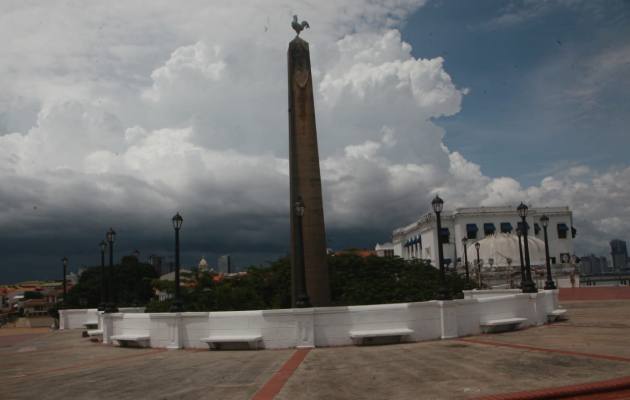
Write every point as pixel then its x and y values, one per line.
pixel 595 293
pixel 89 363
pixel 609 389
pixel 616 395
pixel 546 350
pixel 277 381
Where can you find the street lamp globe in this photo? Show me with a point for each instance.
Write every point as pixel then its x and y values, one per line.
pixel 177 221
pixel 438 204
pixel 477 245
pixel 65 261
pixel 544 220
pixel 522 210
pixel 299 207
pixel 102 245
pixel 111 235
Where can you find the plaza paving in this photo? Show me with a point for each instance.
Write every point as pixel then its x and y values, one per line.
pixel 593 346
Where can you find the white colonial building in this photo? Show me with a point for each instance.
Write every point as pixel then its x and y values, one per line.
pixel 495 230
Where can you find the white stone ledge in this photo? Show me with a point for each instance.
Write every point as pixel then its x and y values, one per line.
pixel 194 314
pixel 330 326
pixel 163 315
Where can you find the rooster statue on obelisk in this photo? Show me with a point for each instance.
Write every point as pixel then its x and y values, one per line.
pixel 309 269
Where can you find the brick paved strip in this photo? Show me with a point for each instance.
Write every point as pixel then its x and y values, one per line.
pixel 595 293
pixel 616 395
pixel 10 340
pixel 22 331
pixel 546 350
pixel 277 381
pixel 91 363
pixel 609 389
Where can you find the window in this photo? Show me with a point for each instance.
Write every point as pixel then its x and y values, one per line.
pixel 506 227
pixel 471 231
pixel 552 260
pixel 444 233
pixel 573 232
pixel 488 229
pixel 562 231
pixel 520 226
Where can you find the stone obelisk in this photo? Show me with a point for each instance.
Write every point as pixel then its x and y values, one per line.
pixel 304 176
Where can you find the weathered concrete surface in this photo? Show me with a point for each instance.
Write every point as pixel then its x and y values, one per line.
pixel 459 369
pixel 594 345
pixel 62 365
pixel 601 327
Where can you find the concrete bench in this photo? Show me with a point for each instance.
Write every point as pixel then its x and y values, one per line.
pixel 215 341
pixel 501 325
pixel 91 324
pixel 140 340
pixel 373 336
pixel 95 334
pixel 557 315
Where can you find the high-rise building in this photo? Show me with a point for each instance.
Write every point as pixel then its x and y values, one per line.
pixel 593 265
pixel 156 263
pixel 224 264
pixel 619 254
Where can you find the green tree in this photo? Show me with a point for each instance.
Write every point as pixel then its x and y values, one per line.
pixel 379 280
pixel 354 280
pixel 132 285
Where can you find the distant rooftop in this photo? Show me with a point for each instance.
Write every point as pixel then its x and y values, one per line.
pixel 509 209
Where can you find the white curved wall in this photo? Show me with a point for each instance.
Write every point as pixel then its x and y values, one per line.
pixel 76 318
pixel 331 326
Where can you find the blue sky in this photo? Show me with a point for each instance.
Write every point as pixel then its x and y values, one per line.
pixel 521 60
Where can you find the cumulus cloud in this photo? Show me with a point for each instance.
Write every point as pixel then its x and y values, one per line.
pixel 127 117
pixel 187 67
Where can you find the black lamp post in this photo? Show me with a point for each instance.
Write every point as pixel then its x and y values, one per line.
pixel 464 241
pixel 301 300
pixel 177 225
pixel 520 253
pixel 103 304
pixel 438 206
pixel 528 286
pixel 64 261
pixel 110 236
pixel 549 284
pixel 477 246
